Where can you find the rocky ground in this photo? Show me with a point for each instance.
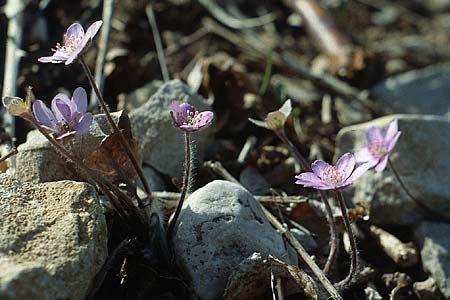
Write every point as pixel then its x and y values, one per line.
pixel 364 63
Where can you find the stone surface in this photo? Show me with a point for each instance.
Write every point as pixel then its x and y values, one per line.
pixel 421 157
pixel 37 161
pixel 220 225
pixel 434 242
pixel 163 144
pixel 425 91
pixel 253 181
pixel 53 239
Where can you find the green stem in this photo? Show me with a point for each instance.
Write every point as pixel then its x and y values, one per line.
pixel 351 236
pixel 428 210
pixel 185 188
pixel 116 129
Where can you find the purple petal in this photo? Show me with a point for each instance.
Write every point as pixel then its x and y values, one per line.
pixel 359 171
pixel 61 110
pixel 311 180
pixel 63 97
pixel 74 29
pixel 391 130
pixel 393 141
pixel 73 56
pixel 382 164
pixel 343 184
pixel 205 118
pixel 79 99
pixel 345 165
pixel 44 115
pixel 51 59
pixel 84 124
pixel 93 29
pixel 373 135
pixel 318 167
pixel 363 155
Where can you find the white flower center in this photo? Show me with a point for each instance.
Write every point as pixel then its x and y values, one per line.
pixel 70 44
pixel 377 149
pixel 331 175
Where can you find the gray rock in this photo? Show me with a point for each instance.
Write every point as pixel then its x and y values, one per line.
pixel 53 239
pixel 425 91
pixel 434 242
pixel 253 181
pixel 422 159
pixel 427 290
pixel 221 225
pixel 37 161
pixel 162 144
pixel 435 6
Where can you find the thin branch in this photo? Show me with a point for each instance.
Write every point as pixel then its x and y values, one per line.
pixel 220 14
pixel 108 8
pixel 157 38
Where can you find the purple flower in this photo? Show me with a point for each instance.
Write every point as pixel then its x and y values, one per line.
pixel 379 147
pixel 75 42
pixel 327 177
pixel 67 116
pixel 187 118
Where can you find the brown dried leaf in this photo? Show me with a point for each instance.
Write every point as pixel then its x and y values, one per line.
pixel 111 159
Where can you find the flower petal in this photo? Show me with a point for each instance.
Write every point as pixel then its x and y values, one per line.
pixel 84 124
pixel 73 56
pixel 359 171
pixel 311 180
pixel 382 164
pixel 391 130
pixel 51 59
pixel 345 165
pixel 44 115
pixel 373 134
pixel 393 141
pixel 318 167
pixel 363 155
pixel 75 29
pixel 205 118
pixel 93 29
pixel 61 110
pixel 344 184
pixel 79 99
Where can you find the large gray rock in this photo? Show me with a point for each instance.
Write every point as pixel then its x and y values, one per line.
pixel 37 161
pixel 221 225
pixel 422 159
pixel 163 144
pixel 434 242
pixel 425 91
pixel 53 239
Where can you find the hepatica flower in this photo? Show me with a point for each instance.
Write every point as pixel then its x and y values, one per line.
pixel 75 42
pixel 327 177
pixel 188 119
pixel 275 120
pixel 379 147
pixel 67 116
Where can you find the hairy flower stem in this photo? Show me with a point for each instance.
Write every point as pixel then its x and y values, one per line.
pixel 116 129
pixel 185 188
pixel 428 210
pixel 334 239
pixel 354 252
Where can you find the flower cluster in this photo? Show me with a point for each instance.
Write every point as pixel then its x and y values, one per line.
pixel 188 119
pixel 67 116
pixel 374 155
pixel 75 42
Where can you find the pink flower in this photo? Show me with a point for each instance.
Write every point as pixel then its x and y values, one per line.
pixel 67 116
pixel 187 118
pixel 379 147
pixel 327 177
pixel 75 42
